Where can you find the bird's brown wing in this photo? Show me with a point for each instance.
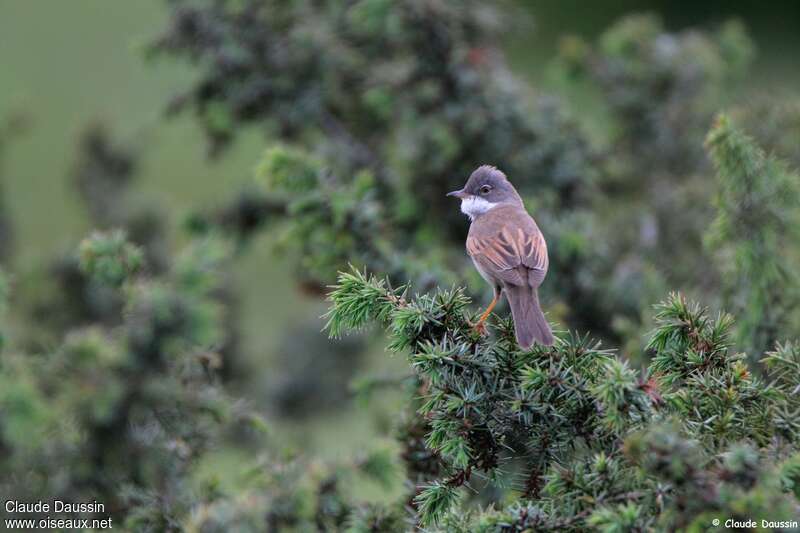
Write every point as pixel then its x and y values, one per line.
pixel 503 253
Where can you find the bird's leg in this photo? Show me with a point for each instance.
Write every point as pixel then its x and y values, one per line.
pixel 479 325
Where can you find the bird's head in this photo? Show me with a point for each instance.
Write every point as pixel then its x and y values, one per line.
pixel 486 189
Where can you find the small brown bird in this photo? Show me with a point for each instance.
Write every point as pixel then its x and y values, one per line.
pixel 508 250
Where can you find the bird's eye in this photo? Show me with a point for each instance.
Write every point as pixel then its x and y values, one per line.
pixel 486 189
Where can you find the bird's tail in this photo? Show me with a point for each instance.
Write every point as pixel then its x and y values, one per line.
pixel 529 321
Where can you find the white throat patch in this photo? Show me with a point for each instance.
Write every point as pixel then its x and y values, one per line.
pixel 474 206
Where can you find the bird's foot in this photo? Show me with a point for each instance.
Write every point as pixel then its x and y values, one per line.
pixel 479 327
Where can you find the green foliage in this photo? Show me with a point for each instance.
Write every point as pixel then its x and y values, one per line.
pixel 358 300
pixel 774 123
pixel 661 87
pixel 694 437
pixel 380 466
pixel 710 388
pixel 120 377
pixel 757 217
pixel 108 258
pixel 365 143
pixel 790 476
pixel 134 411
pixel 657 91
pixel 103 174
pixel 376 134
pixel 288 169
pixel 118 383
pixel 434 501
pixel 375 518
pixel 114 393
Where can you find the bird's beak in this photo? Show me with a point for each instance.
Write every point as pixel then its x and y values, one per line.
pixel 458 194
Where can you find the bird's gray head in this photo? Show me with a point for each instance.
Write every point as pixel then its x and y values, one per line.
pixel 486 189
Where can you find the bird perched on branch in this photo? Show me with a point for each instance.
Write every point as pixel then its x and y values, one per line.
pixel 508 250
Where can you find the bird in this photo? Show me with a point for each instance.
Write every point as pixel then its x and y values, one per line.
pixel 508 250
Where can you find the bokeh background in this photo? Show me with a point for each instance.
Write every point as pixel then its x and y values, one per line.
pixel 67 65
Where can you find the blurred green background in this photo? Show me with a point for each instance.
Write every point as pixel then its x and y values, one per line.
pixel 67 64
pixel 74 62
